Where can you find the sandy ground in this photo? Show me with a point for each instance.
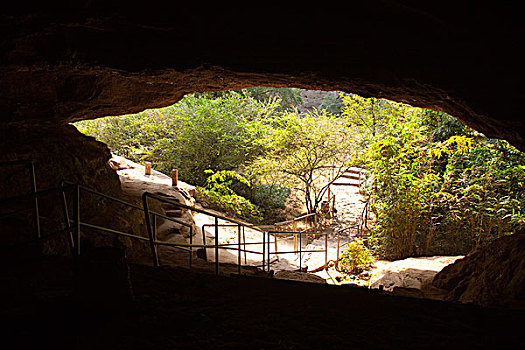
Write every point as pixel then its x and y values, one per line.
pixel 407 273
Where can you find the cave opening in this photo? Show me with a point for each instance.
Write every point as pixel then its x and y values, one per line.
pixel 422 160
pixel 63 63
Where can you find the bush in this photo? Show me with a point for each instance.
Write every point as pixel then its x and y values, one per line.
pixel 193 135
pixel 442 196
pixel 356 257
pixel 218 192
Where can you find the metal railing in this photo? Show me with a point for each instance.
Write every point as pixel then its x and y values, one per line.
pixel 71 195
pixel 34 196
pixel 30 164
pixel 229 222
pixel 358 226
pixel 363 219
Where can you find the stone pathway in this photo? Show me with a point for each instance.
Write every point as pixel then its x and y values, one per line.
pixel 413 273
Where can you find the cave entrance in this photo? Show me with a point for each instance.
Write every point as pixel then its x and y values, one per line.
pixel 382 180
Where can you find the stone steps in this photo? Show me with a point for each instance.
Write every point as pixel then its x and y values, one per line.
pixel 351 176
pixel 346 182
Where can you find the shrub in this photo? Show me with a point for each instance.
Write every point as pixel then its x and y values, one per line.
pixel 218 192
pixel 356 257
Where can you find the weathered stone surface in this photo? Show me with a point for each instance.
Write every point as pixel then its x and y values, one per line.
pixel 299 276
pixel 62 62
pixel 64 153
pixel 59 153
pixel 491 276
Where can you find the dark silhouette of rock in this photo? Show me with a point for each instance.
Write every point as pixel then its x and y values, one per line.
pixel 102 278
pixel 491 276
pixel 63 61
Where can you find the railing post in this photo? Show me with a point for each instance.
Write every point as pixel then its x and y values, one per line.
pixel 294 229
pixel 191 247
pixel 326 250
pixel 267 251
pixel 150 231
pixel 66 219
pixel 276 245
pixel 76 211
pixel 264 251
pixel 244 241
pixel 337 259
pixel 204 243
pixel 154 229
pixel 239 248
pixel 32 179
pixel 333 205
pixel 300 252
pixel 216 245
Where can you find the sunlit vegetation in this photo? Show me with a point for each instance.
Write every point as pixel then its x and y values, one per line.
pixel 435 185
pixel 356 257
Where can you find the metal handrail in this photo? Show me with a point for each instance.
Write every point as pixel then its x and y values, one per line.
pixel 34 195
pixel 301 251
pixel 152 239
pixel 166 199
pixel 73 224
pixel 30 163
pixel 151 225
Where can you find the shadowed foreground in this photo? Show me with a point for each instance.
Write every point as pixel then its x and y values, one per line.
pixel 175 309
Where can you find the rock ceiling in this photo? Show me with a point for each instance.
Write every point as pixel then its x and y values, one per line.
pixel 62 62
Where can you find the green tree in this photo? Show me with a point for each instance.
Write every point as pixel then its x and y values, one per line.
pixel 437 186
pixel 218 192
pixel 194 135
pixel 306 152
pixel 290 98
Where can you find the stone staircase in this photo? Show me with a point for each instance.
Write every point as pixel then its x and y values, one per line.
pixel 352 177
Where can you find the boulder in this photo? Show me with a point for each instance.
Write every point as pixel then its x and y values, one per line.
pixel 65 153
pixel 490 276
pixel 299 276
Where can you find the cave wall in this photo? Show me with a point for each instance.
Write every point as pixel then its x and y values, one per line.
pixel 62 62
pixel 63 153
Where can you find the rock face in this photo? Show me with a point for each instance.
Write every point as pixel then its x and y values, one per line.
pixel 59 153
pixel 64 153
pixel 408 273
pixel 62 62
pixel 492 276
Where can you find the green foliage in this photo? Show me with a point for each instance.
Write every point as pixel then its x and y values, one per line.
pixel 332 103
pixel 437 186
pixel 306 152
pixel 482 194
pixel 289 98
pixel 266 196
pixel 356 257
pixel 193 135
pixel 218 192
pixel 270 195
